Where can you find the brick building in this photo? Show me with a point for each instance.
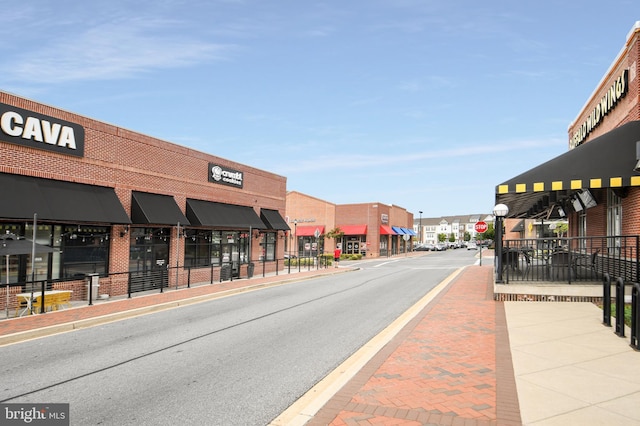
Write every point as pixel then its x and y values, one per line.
pixel 371 229
pixel 595 185
pixel 138 211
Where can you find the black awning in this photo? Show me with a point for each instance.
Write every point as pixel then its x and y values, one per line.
pixel 156 209
pixel 607 161
pixel 223 216
pixel 519 227
pixel 273 220
pixel 22 196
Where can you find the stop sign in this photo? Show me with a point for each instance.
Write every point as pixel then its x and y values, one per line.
pixel 481 227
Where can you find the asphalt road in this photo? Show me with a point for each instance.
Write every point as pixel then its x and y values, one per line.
pixel 240 360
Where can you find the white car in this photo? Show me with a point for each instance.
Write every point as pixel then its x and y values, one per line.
pixel 471 246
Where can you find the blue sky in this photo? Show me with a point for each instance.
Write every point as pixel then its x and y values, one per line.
pixel 427 105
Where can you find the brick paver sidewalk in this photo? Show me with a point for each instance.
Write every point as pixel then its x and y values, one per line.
pixel 448 366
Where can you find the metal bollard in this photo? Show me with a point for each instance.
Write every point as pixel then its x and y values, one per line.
pixel 606 300
pixel 620 307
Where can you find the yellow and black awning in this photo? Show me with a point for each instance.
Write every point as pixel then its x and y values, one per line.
pixel 605 162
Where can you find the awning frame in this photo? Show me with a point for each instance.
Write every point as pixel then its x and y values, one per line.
pixel 548 190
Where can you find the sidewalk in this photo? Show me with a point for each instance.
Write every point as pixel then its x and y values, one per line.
pixel 467 360
pixel 461 359
pixel 32 326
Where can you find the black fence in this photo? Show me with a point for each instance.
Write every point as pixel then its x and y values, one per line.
pixel 159 279
pixel 620 308
pixel 569 260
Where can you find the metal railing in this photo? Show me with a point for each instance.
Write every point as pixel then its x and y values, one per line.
pixel 572 259
pixel 620 305
pixel 158 279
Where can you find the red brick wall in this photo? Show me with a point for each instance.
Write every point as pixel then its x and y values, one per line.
pixel 311 211
pixel 627 108
pixel 125 160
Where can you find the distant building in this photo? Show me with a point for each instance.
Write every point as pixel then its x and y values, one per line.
pixel 457 226
pixel 370 229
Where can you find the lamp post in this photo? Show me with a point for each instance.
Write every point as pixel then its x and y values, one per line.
pixel 420 234
pixel 295 235
pixel 499 211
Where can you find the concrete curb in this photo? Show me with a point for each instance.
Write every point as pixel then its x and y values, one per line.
pixel 130 313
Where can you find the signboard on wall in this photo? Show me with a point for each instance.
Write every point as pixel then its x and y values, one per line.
pixel 21 127
pixel 225 175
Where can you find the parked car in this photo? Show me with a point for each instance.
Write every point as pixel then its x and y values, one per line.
pixel 471 246
pixel 441 247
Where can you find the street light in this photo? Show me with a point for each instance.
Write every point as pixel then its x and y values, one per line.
pixel 499 211
pixel 295 236
pixel 420 234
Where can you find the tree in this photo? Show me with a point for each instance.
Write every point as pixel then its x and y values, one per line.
pixel 561 229
pixel 490 233
pixel 336 233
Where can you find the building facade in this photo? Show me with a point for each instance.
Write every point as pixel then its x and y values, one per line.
pixel 369 229
pixel 455 228
pixel 595 185
pixel 137 211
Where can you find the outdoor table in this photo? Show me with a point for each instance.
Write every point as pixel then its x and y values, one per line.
pixel 53 300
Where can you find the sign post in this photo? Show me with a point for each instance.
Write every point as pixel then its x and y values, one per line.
pixel 481 227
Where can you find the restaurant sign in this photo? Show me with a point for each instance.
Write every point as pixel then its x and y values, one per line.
pixel 607 103
pixel 225 175
pixel 21 127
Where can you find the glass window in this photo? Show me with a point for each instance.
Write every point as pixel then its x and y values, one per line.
pixel 149 249
pixel 84 250
pixel 212 248
pixel 268 246
pixel 614 218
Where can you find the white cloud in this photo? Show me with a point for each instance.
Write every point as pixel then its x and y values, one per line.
pixel 114 50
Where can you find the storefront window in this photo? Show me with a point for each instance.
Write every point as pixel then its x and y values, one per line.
pixel 212 248
pixel 308 246
pixel 79 250
pixel 268 245
pixel 83 250
pixel 384 244
pixel 614 218
pixel 198 246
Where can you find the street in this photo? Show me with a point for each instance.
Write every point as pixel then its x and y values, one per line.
pixel 239 360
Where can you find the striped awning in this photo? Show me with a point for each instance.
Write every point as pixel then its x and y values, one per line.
pixel 604 162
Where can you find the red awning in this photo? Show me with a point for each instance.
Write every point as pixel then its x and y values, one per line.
pixel 308 231
pixel 353 229
pixel 386 230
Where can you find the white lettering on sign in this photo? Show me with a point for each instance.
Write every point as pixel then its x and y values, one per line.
pixel 226 176
pixel 607 103
pixel 13 124
pixel 28 128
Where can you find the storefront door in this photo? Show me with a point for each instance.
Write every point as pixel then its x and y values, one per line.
pixel 149 258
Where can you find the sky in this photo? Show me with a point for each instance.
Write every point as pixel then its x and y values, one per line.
pixel 426 105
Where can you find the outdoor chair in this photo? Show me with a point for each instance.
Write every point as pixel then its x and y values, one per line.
pixel 527 262
pixel 560 264
pixel 589 263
